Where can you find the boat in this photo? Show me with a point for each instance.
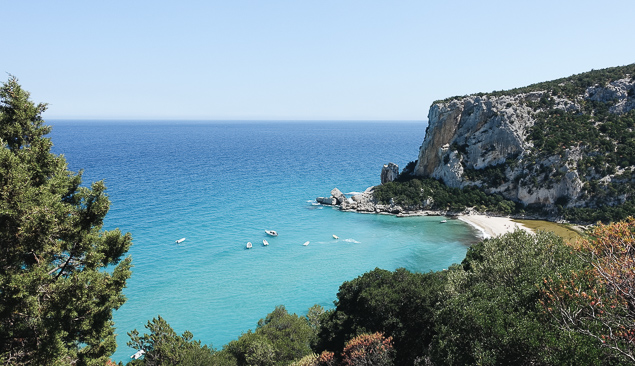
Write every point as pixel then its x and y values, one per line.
pixel 443 221
pixel 138 354
pixel 306 243
pixel 265 242
pixel 249 245
pixel 335 236
pixel 180 241
pixel 271 232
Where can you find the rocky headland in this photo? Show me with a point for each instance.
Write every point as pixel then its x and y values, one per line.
pixel 562 150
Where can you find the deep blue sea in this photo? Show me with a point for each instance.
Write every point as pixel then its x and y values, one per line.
pixel 220 185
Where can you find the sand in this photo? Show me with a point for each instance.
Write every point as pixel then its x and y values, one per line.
pixel 492 226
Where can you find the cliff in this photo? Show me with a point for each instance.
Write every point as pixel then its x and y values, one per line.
pixel 568 142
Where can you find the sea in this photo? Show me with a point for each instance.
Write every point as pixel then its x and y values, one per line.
pixel 220 185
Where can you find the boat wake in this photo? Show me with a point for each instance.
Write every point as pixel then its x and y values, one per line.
pixel 352 241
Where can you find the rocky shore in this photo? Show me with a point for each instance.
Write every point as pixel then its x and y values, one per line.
pixel 365 203
pixel 489 226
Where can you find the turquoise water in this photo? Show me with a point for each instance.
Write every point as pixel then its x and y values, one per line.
pixel 220 185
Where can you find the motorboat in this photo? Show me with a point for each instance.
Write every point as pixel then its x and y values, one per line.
pixel 443 221
pixel 180 241
pixel 249 245
pixel 335 236
pixel 271 232
pixel 306 243
pixel 138 354
pixel 265 242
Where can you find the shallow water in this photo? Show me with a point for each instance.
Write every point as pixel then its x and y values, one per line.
pixel 220 185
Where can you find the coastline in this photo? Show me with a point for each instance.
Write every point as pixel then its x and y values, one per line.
pixel 493 226
pixel 489 226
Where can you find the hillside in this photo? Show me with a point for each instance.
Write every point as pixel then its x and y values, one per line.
pixel 565 147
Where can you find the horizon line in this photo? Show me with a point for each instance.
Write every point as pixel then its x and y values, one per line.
pixel 230 120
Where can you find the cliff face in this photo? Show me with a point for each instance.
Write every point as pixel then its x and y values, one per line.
pixel 551 143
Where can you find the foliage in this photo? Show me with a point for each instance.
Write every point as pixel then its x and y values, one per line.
pixel 326 358
pixel 413 192
pixel 607 141
pixel 163 347
pixel 399 304
pixel 493 175
pixel 492 315
pixel 484 311
pixel 61 275
pixel 494 308
pixel 571 86
pixel 308 360
pixel 280 338
pixel 600 301
pixel 368 349
pixel 586 135
pixel 604 214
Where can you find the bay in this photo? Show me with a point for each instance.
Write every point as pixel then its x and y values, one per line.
pixel 219 185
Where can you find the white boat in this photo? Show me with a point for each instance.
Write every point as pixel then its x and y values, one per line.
pixel 306 243
pixel 180 241
pixel 249 245
pixel 444 221
pixel 265 242
pixel 271 232
pixel 335 236
pixel 138 354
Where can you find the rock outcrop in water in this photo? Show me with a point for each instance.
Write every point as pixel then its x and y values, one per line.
pixel 336 198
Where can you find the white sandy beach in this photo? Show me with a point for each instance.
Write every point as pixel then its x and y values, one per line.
pixel 492 226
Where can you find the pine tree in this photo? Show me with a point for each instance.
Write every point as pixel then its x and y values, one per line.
pixel 61 275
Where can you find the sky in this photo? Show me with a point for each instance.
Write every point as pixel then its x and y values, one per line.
pixel 297 60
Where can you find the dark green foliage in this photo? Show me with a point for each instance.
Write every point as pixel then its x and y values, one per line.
pixel 279 339
pixel 413 192
pixel 399 304
pixel 163 347
pixel 608 142
pixel 492 315
pixel 60 274
pixel 485 311
pixel 603 214
pixel 493 175
pixel 407 172
pixel 608 139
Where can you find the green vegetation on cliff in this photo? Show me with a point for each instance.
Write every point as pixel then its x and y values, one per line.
pixel 570 151
pixel 414 191
pixel 569 87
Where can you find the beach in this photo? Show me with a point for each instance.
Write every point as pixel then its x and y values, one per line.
pixel 492 226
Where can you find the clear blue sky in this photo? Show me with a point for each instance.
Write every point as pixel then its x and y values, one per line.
pixel 270 59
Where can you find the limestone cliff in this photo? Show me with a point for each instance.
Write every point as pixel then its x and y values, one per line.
pixel 569 142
